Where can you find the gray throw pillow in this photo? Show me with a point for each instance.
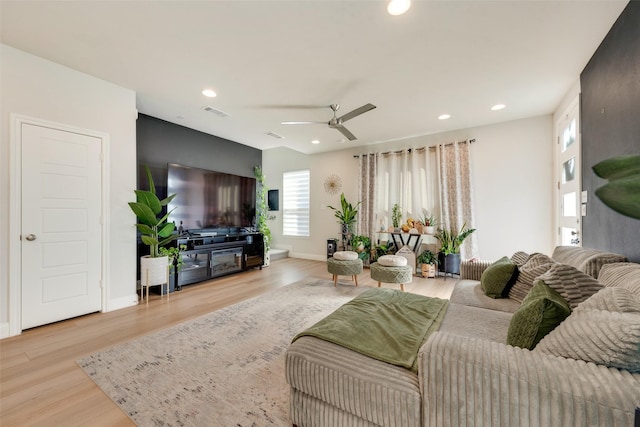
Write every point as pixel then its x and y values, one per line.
pixel 574 285
pixel 497 278
pixel 536 265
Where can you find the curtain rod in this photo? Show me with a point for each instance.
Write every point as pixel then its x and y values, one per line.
pixel 355 156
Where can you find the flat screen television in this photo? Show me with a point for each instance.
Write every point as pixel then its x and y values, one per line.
pixel 208 199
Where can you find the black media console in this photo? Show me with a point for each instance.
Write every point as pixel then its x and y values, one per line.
pixel 214 254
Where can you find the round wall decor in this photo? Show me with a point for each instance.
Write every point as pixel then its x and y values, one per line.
pixel 332 184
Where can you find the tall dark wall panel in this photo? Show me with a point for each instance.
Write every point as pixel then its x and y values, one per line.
pixel 160 142
pixel 610 112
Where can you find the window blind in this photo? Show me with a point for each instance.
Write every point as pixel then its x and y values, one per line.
pixel 295 203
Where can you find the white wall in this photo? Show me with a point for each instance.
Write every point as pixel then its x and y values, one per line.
pixel 512 168
pixel 37 88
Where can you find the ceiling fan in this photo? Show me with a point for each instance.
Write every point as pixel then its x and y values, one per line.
pixel 337 122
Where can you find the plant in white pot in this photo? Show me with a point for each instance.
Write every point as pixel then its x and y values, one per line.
pixel 429 222
pixel 346 216
pixel 155 232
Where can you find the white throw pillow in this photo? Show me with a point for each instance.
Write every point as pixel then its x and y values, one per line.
pixel 345 255
pixel 392 261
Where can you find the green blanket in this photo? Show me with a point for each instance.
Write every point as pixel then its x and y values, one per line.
pixel 384 324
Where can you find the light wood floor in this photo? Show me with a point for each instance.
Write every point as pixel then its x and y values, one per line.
pixel 41 385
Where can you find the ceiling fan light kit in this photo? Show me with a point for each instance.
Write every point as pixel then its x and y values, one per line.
pixel 337 122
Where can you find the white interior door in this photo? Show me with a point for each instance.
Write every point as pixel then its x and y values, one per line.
pixel 61 231
pixel 569 179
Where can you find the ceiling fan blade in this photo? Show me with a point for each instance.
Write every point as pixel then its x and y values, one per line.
pixel 302 123
pixel 343 130
pixel 351 114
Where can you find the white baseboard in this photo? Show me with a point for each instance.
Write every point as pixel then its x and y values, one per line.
pixel 313 257
pixel 4 330
pixel 124 302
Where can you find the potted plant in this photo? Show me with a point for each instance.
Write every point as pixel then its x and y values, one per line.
pixel 429 221
pixel 428 261
pixel 346 216
pixel 155 231
pixel 450 241
pixel 379 250
pixel 362 245
pixel 262 213
pixel 396 216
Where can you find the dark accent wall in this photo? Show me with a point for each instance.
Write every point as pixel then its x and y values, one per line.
pixel 610 112
pixel 160 142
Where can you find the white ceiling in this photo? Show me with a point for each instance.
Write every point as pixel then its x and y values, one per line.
pixel 268 59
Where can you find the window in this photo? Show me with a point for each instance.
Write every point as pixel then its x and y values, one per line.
pixel 295 203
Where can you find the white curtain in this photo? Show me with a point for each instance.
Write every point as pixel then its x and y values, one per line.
pixel 456 192
pixel 410 179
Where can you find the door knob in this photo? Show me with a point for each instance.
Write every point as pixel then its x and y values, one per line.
pixel 31 237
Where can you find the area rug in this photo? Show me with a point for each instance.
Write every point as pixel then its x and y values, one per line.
pixel 225 368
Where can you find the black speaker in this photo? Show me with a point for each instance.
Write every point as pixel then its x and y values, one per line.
pixel 273 200
pixel 332 247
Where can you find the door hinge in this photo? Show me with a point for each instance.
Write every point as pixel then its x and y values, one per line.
pixel 558 185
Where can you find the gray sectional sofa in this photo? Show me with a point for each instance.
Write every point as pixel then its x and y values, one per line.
pixel 468 375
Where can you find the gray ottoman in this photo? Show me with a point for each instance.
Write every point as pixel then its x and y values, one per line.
pixel 401 274
pixel 344 268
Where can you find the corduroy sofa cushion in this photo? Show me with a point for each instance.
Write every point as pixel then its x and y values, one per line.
pixel 617 299
pixel 541 311
pixel 574 285
pixel 536 265
pixel 603 337
pixel 621 274
pixel 589 261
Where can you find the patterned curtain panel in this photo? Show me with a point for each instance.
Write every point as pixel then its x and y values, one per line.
pixel 456 195
pixel 367 195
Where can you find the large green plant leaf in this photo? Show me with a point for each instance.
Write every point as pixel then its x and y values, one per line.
pixel 166 229
pixel 165 202
pixel 148 240
pixel 144 213
pixel 168 240
pixel 149 199
pixel 622 195
pixel 152 185
pixel 618 167
pixel 145 229
pixel 622 192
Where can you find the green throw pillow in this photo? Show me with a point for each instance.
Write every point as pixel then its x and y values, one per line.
pixel 541 311
pixel 495 280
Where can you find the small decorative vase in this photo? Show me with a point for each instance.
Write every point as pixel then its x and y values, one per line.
pixel 429 229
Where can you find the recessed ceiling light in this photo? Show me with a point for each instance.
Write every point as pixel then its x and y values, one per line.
pixel 498 107
pixel 398 7
pixel 209 93
pixel 315 141
pixel 444 116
